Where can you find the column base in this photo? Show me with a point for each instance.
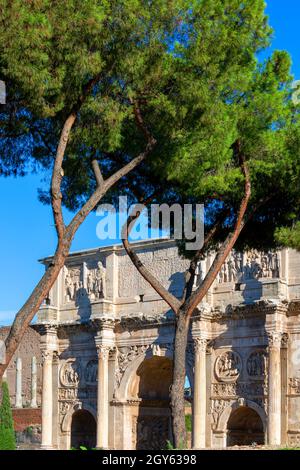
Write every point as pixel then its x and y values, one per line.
pixel 46 447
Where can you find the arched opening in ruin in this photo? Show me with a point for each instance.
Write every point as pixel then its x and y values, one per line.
pixel 83 430
pixel 244 428
pixel 150 385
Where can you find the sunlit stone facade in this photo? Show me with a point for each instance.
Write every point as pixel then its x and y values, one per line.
pixel 107 348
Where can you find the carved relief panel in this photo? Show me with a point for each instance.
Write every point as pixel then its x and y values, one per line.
pixel 257 365
pixel 90 373
pixel 85 282
pixel 96 282
pixel 125 355
pixel 73 282
pixel 152 432
pixel 228 366
pixel 70 373
pixel 216 408
pixel 163 264
pixel 240 267
pixel 294 386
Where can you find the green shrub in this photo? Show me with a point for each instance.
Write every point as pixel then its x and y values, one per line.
pixel 7 433
pixel 188 423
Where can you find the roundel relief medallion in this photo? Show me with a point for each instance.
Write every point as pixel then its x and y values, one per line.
pixel 228 366
pixel 70 373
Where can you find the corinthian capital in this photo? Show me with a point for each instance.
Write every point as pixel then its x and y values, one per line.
pixel 103 351
pixel 47 355
pixel 200 345
pixel 274 338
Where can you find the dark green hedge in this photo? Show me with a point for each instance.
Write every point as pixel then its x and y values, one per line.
pixel 7 433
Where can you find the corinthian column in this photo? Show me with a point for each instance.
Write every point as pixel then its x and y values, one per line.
pixel 274 389
pixel 47 400
pixel 19 383
pixel 33 402
pixel 199 404
pixel 102 397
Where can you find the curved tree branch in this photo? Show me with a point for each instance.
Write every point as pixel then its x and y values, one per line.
pixel 190 274
pixel 65 234
pixel 226 246
pixel 97 172
pixel 169 298
pixel 57 173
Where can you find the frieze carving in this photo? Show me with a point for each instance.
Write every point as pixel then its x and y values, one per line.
pixel 257 364
pixel 240 267
pixel 67 393
pixel 235 389
pixel 139 320
pixel 216 408
pixel 294 385
pixel 228 366
pixel 90 373
pixel 125 355
pixel 77 393
pixel 70 373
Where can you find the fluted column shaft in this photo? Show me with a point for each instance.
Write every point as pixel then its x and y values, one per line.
pixel 274 389
pixel 19 383
pixel 47 400
pixel 33 402
pixel 102 397
pixel 199 403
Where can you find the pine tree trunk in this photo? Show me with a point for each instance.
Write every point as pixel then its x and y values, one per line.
pixel 31 306
pixel 177 390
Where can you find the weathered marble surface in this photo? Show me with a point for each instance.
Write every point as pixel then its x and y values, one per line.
pixel 29 348
pixel 109 340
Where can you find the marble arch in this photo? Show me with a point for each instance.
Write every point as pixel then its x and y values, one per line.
pixel 67 421
pixel 222 426
pixel 241 344
pixel 122 391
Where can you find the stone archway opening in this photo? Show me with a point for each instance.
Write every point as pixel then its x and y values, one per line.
pixel 83 430
pixel 244 428
pixel 150 385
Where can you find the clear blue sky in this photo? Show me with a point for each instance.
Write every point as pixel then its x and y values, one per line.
pixel 27 232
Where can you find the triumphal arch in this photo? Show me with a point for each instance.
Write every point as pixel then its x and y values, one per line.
pixel 107 348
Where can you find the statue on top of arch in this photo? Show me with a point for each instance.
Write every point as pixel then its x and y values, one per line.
pixel 240 267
